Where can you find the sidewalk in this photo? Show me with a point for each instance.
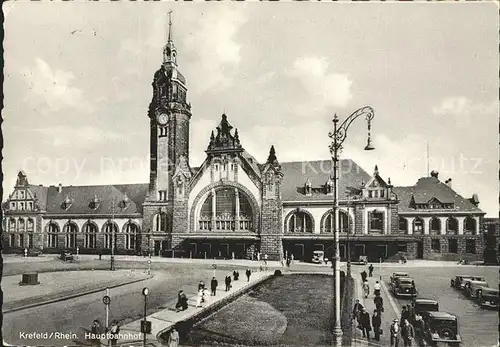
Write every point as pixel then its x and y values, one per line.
pixel 163 321
pixel 390 313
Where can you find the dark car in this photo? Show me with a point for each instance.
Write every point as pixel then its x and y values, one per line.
pixel 34 252
pixel 66 256
pixel 403 286
pixel 421 305
pixel 488 297
pixel 395 275
pixel 441 327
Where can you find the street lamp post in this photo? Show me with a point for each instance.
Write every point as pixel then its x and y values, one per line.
pixel 348 266
pixel 338 136
pixel 112 265
pixel 145 329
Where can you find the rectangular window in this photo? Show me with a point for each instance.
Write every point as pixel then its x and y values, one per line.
pixel 376 221
pixel 435 245
pixel 402 247
pixel 452 246
pixel 370 194
pixel 12 240
pixel 382 194
pixel 470 246
pixel 30 205
pixel 12 205
pixel 21 206
pixel 163 195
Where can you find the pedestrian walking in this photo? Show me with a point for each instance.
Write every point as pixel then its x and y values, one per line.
pixel 366 289
pixel 405 315
pixel 282 261
pixel 370 270
pixel 407 333
pixel 173 339
pixel 182 303
pixel 379 303
pixel 199 298
pixel 95 331
pixel 356 312
pixel 248 273
pixel 365 324
pixel 213 286
pixel 236 275
pixel 258 256
pixel 395 331
pixel 228 283
pixel 364 276
pixel 288 262
pixel 265 260
pixel 201 285
pixel 376 323
pixel 113 332
pixel 376 288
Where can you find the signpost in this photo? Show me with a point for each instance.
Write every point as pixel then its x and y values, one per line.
pixel 106 300
pixel 77 250
pixel 149 266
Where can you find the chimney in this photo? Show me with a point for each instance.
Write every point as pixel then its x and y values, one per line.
pixel 435 174
pixel 448 182
pixel 59 188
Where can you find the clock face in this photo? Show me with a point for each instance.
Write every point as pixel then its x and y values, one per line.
pixel 162 118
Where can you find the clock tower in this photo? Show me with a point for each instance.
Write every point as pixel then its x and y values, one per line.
pixel 169 116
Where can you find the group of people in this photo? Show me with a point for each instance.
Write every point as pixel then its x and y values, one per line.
pixel 364 323
pixel 112 331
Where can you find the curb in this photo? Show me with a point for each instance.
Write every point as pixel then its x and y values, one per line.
pixel 75 295
pixel 206 312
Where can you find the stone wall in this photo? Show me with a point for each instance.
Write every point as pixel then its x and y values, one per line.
pixel 444 252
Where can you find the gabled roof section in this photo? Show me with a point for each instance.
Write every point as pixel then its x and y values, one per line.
pixel 82 196
pixel 428 188
pixel 295 174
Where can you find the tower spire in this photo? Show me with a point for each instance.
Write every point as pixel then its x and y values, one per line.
pixel 170 25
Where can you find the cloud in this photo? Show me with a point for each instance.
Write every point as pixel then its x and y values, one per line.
pixel 464 110
pixel 212 41
pixel 83 137
pixel 51 90
pixel 323 89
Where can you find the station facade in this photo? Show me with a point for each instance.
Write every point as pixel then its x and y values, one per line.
pixel 234 206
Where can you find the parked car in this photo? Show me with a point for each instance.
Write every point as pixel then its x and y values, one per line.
pixel 421 305
pixel 441 327
pixel 34 252
pixel 488 297
pixel 403 286
pixel 471 287
pixel 66 256
pixel 318 257
pixel 458 281
pixel 398 274
pixel 363 259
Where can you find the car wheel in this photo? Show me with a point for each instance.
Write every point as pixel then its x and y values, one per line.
pixel 446 333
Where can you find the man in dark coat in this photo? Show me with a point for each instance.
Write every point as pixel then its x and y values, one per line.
pixel 201 285
pixel 248 273
pixel 357 310
pixel 363 276
pixel 365 324
pixel 407 333
pixel 376 323
pixel 370 270
pixel 379 303
pixel 213 286
pixel 236 274
pixel 228 283
pixel 405 315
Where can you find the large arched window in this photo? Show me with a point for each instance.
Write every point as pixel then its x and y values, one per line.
pixel 418 226
pixel 452 225
pixel 110 229
pixel 470 225
pixel 90 231
pixel 403 225
pixel 226 209
pixel 300 221
pixel 52 231
pixel 160 222
pixel 435 225
pixel 328 224
pixel 70 230
pixel 131 235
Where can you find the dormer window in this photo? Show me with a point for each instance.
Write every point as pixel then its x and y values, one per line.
pixel 21 206
pixel 308 187
pixel 329 187
pixel 12 205
pixel 94 204
pixel 67 203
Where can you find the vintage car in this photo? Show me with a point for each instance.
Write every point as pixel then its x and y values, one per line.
pixel 421 305
pixel 398 274
pixel 440 328
pixel 403 286
pixel 471 287
pixel 66 256
pixel 318 257
pixel 458 281
pixel 34 252
pixel 488 297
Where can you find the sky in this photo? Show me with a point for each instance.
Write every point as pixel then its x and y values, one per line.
pixel 78 84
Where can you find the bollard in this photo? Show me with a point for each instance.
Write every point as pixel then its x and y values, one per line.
pixel 205 255
pixel 233 255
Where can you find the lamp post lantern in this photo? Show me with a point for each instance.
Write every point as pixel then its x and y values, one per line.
pixel 145 326
pixel 338 137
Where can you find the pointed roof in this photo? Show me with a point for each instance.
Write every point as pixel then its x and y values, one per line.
pixel 224 141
